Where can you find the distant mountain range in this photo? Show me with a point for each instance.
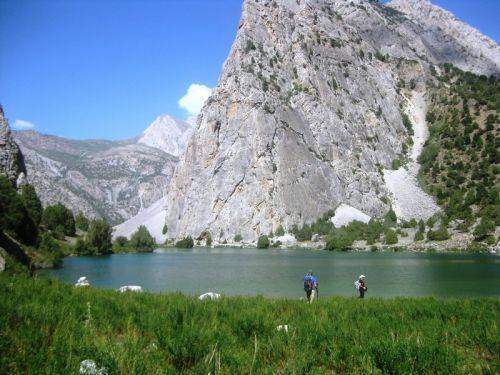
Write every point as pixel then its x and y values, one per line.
pixel 102 178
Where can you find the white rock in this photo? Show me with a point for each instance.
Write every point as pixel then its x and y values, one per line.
pixel 345 214
pixel 286 240
pixel 167 134
pixel 410 201
pixel 82 281
pixel 89 367
pixel 283 328
pixel 209 296
pixel 130 288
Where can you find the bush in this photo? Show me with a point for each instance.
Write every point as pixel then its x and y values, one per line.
pixel 303 234
pixel 81 222
pixel 276 244
pixel 142 240
pixel 483 229
pixel 81 247
pixel 438 235
pixel 419 236
pixel 185 243
pixel 280 231
pixel 56 215
pixel 51 249
pixel 263 242
pixel 98 237
pixel 390 237
pixel 165 229
pixel 238 238
pixel 339 240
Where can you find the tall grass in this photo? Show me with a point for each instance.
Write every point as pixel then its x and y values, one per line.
pixel 49 327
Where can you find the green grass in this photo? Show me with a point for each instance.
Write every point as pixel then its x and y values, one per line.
pixel 48 327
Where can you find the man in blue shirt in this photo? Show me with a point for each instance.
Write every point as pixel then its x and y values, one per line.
pixel 310 286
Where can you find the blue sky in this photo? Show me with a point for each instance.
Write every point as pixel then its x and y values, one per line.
pixel 106 69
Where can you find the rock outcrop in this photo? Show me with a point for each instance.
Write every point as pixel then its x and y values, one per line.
pixel 307 113
pixel 11 159
pixel 167 134
pixel 110 179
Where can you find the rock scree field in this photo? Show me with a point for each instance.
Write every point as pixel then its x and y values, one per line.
pixel 49 327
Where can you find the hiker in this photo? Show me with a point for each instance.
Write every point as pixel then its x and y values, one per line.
pixel 360 286
pixel 310 286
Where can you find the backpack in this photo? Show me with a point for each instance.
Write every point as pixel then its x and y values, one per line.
pixel 308 284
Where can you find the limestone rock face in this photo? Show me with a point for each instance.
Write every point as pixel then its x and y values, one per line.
pixel 167 134
pixel 306 115
pixel 450 39
pixel 11 159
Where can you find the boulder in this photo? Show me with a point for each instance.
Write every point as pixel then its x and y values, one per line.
pixel 82 281
pixel 89 367
pixel 130 288
pixel 209 296
pixel 283 328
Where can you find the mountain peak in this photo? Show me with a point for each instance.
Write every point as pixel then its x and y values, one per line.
pixel 167 134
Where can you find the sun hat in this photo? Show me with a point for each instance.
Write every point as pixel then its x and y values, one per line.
pixel 362 276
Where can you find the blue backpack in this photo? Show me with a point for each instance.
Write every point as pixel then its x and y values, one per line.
pixel 308 284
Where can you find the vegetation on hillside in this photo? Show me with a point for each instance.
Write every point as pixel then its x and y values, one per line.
pixel 48 327
pixel 460 159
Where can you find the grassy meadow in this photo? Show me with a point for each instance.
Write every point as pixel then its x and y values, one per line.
pixel 48 327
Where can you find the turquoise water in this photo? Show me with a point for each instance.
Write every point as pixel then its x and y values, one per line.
pixel 280 272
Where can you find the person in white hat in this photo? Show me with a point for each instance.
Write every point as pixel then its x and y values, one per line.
pixel 360 286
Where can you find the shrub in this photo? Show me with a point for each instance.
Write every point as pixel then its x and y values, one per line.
pixel 142 240
pixel 165 229
pixel 56 215
pixel 280 231
pixel 419 236
pixel 276 244
pixel 51 249
pixel 238 238
pixel 390 237
pixel 484 228
pixel 263 242
pixel 339 240
pixel 81 222
pixel 185 243
pixel 438 235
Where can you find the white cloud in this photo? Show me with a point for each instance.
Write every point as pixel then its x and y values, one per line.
pixel 195 98
pixel 23 125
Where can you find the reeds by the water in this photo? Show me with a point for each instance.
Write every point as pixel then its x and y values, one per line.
pixel 48 327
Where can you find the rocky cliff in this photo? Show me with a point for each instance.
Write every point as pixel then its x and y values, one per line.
pixel 11 159
pixel 114 180
pixel 308 112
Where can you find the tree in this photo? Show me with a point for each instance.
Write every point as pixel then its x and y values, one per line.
pixel 99 237
pixel 185 243
pixel 14 217
pixel 142 240
pixel 280 231
pixel 56 215
pixel 238 238
pixel 32 203
pixel 391 237
pixel 438 235
pixel 120 244
pixel 263 242
pixel 390 217
pixel 165 229
pixel 81 222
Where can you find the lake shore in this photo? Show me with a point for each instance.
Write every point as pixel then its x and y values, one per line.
pixel 151 333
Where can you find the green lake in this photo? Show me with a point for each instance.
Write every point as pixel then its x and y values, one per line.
pixel 279 272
